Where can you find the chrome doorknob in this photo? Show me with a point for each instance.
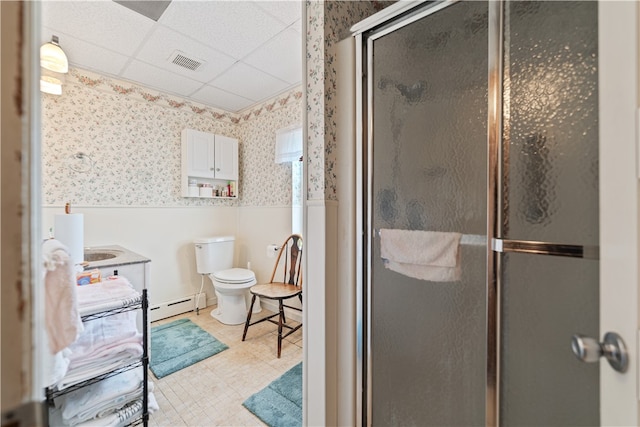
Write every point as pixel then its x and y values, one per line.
pixel 612 347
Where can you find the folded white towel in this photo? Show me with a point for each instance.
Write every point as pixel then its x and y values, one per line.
pixel 424 255
pixel 123 416
pixel 128 354
pixel 100 335
pixel 103 397
pixel 108 294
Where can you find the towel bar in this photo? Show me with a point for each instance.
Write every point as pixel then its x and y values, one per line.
pixel 466 239
pixel 528 246
pixel 545 248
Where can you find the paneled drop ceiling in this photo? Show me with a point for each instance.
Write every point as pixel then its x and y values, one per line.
pixel 242 52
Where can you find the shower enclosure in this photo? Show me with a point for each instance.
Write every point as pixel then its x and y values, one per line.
pixel 481 118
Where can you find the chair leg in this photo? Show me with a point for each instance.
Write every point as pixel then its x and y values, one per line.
pixel 246 324
pixel 280 321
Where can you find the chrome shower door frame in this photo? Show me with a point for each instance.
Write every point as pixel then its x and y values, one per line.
pixel 365 34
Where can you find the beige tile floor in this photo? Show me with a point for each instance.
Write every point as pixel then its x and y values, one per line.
pixel 211 392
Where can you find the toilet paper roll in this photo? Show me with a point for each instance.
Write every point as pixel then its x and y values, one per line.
pixel 69 230
pixel 272 250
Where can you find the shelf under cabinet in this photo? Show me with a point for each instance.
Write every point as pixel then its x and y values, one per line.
pixel 212 197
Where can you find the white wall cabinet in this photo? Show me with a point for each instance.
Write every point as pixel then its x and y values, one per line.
pixel 209 159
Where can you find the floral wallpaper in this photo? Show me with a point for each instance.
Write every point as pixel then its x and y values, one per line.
pixel 315 100
pixel 327 23
pixel 112 143
pixel 131 135
pixel 263 179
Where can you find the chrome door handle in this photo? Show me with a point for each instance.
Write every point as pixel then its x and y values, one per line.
pixel 612 347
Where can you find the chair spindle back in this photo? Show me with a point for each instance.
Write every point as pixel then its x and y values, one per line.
pixel 292 251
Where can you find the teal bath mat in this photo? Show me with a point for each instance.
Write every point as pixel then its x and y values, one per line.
pixel 280 403
pixel 179 344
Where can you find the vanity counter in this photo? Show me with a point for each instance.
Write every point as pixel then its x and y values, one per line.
pixel 116 256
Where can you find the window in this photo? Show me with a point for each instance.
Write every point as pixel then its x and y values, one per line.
pixel 289 149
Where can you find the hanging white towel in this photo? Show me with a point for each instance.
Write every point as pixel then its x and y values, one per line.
pixel 62 320
pixel 424 255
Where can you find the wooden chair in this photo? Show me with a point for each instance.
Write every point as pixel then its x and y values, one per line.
pixel 290 286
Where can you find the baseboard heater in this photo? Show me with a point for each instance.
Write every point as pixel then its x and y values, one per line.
pixel 175 307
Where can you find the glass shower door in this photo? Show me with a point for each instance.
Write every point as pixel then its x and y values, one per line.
pixel 482 120
pixel 427 157
pixel 549 202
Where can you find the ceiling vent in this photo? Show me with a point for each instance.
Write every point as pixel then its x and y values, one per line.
pixel 182 60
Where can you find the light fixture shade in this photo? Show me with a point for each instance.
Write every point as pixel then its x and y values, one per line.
pixel 50 85
pixel 51 82
pixel 53 58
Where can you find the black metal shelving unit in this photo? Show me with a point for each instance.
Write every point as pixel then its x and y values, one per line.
pixel 143 304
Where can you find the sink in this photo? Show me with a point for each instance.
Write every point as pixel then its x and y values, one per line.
pixel 99 255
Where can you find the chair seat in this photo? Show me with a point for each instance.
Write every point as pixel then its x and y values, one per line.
pixel 275 290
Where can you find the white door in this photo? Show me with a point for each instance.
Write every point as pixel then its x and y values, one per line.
pixel 618 92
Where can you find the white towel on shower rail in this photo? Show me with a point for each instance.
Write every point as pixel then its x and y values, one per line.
pixel 424 255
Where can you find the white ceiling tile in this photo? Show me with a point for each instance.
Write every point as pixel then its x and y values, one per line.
pixel 232 27
pixel 163 42
pixel 249 82
pixel 85 55
pixel 287 11
pixel 213 96
pixel 281 57
pixel 102 23
pixel 110 39
pixel 160 79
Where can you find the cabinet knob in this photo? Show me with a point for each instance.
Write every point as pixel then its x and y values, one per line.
pixel 218 170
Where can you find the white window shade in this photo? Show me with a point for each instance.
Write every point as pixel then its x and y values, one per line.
pixel 289 144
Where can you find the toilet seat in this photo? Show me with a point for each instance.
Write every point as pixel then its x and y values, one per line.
pixel 234 276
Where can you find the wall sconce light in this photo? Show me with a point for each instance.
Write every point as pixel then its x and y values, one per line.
pixel 53 66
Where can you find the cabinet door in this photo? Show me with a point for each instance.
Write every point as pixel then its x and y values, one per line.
pixel 200 154
pixel 226 158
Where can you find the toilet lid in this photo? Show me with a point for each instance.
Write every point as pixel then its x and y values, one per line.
pixel 234 275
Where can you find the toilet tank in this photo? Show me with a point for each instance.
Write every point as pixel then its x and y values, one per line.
pixel 214 253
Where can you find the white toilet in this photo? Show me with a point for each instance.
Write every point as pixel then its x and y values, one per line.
pixel 214 257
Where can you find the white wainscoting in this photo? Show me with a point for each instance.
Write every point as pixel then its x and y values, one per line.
pixel 165 236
